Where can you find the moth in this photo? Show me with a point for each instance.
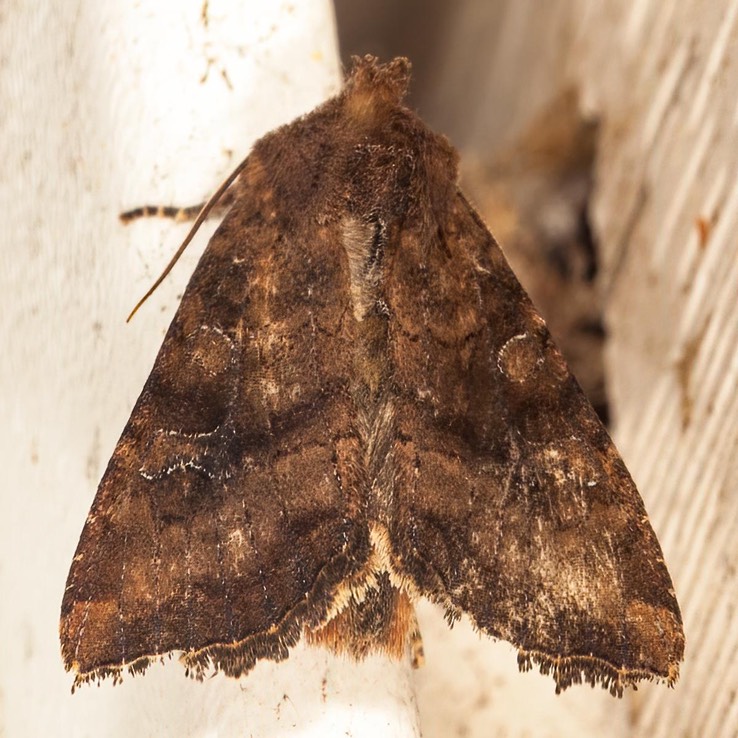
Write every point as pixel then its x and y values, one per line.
pixel 355 406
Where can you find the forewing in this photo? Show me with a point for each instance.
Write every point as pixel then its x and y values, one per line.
pixel 227 515
pixel 512 504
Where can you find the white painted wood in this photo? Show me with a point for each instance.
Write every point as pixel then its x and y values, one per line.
pixel 106 106
pixel 668 179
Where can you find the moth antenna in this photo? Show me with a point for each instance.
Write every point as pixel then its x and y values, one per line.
pixel 207 207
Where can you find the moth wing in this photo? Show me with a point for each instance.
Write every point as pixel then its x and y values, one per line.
pixel 222 524
pixel 512 503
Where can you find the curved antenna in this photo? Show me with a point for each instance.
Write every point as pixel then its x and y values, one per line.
pixel 209 205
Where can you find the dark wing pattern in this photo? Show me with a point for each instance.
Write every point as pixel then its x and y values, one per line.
pixel 518 509
pixel 356 397
pixel 237 460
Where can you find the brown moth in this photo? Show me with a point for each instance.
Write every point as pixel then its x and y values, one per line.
pixel 356 405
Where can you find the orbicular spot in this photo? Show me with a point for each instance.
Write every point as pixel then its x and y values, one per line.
pixel 211 350
pixel 520 357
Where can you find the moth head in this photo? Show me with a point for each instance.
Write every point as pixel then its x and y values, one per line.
pixel 371 87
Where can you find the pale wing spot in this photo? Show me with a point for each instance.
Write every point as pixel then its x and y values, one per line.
pixel 237 544
pixel 358 238
pixel 520 356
